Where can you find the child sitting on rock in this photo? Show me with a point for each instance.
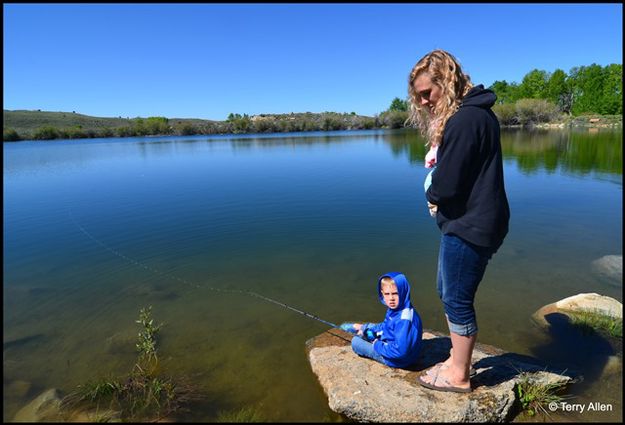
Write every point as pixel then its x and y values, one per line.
pixel 396 341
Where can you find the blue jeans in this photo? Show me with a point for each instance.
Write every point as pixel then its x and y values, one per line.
pixel 461 266
pixel 365 349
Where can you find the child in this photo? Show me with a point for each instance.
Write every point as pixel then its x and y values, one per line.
pixel 396 341
pixel 430 162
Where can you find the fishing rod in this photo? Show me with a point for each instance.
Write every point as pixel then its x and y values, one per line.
pixel 171 276
pixel 312 316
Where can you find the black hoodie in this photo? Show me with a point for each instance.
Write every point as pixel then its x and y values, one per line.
pixel 468 183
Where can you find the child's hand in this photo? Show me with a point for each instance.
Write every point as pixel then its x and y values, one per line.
pixel 430 157
pixel 358 327
pixel 433 209
pixel 369 335
pixel 351 327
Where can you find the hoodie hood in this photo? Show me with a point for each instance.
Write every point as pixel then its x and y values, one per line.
pixel 480 97
pixel 403 290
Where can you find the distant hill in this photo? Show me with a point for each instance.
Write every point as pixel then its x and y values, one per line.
pixel 45 125
pixel 24 121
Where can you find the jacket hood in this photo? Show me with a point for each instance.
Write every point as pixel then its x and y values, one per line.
pixel 403 290
pixel 479 96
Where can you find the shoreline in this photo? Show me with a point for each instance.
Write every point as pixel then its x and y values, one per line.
pixel 564 126
pixel 591 123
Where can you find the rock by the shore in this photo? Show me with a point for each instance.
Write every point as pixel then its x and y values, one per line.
pixel 18 388
pixel 611 267
pixel 367 391
pixel 121 343
pixel 97 415
pixel 581 302
pixel 613 365
pixel 44 408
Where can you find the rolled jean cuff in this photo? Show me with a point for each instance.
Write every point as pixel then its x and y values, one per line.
pixel 467 329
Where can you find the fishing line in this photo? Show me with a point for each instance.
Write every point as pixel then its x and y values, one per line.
pixel 193 284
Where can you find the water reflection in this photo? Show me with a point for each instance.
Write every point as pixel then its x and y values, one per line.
pixel 573 152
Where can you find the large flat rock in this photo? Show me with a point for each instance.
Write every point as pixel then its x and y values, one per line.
pixel 367 391
pixel 590 302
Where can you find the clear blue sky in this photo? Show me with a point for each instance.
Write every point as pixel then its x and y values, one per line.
pixel 207 60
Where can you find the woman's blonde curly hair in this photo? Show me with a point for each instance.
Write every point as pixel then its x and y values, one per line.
pixel 444 71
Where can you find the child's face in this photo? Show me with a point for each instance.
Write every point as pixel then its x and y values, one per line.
pixel 390 295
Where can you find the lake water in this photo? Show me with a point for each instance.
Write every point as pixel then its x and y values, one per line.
pixel 95 230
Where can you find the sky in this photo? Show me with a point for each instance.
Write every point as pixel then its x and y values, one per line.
pixel 209 60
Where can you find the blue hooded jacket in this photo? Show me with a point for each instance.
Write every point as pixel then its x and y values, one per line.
pixel 399 336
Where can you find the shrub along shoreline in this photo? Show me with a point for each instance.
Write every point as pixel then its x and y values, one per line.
pixel 27 125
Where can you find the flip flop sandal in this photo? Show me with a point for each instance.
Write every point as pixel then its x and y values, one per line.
pixel 446 388
pixel 437 366
pixel 433 371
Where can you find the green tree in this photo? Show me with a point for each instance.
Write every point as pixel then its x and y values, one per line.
pixel 612 96
pixel 398 105
pixel 588 84
pixel 501 90
pixel 556 85
pixel 560 90
pixel 534 85
pixel 506 92
pixel 514 92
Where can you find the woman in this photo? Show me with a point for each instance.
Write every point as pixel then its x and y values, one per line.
pixel 467 193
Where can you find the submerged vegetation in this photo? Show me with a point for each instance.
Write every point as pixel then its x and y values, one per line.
pixel 142 395
pixel 147 337
pixel 246 414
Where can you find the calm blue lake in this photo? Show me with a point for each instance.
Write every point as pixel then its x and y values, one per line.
pixel 95 230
